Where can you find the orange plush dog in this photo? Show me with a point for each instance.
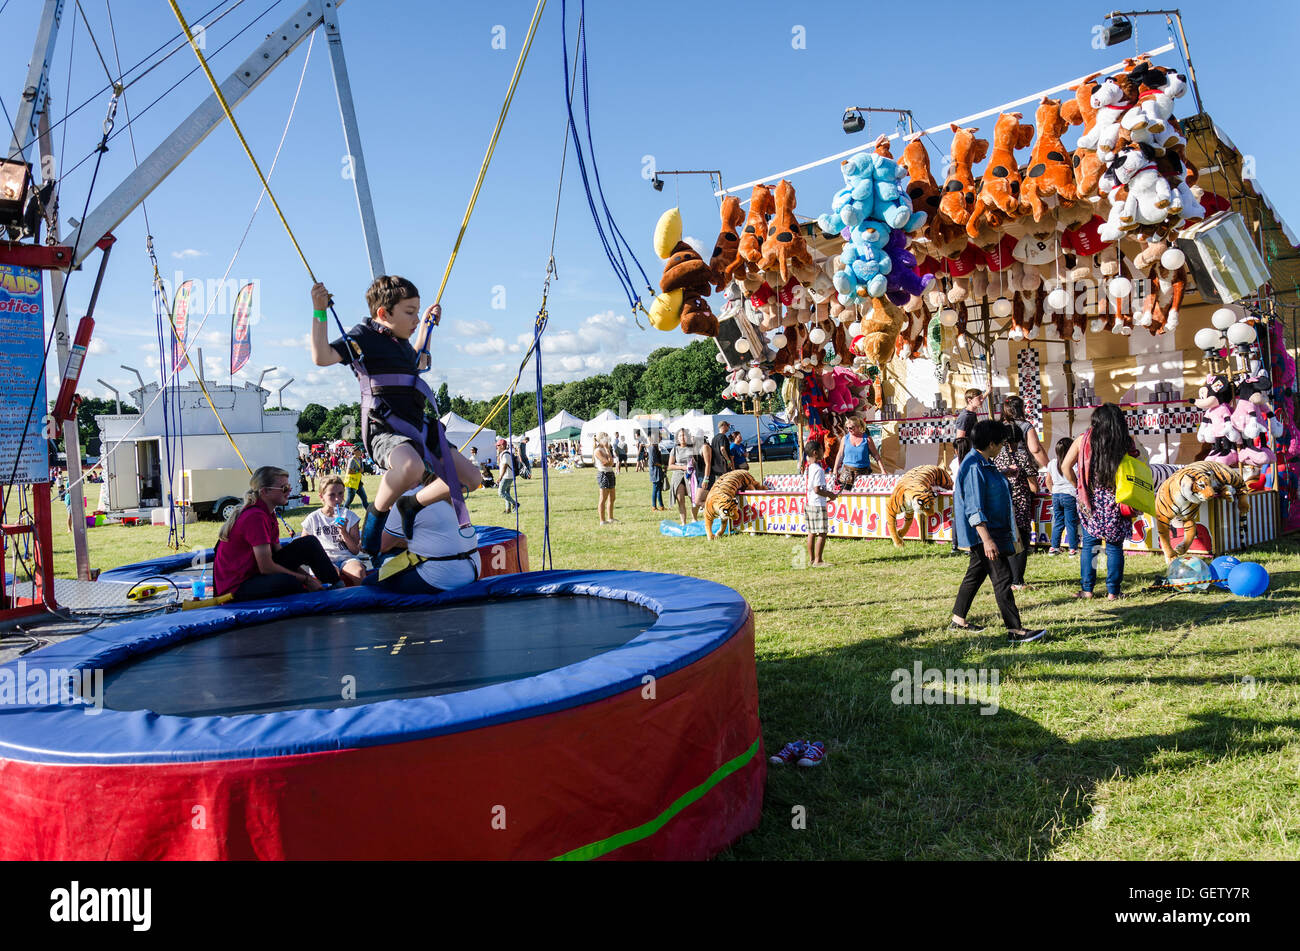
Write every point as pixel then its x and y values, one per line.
pixel 726 260
pixel 998 200
pixel 1050 171
pixel 1080 111
pixel 761 204
pixel 958 199
pixel 785 246
pixel 922 188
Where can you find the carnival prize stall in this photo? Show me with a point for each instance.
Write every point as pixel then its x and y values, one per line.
pixel 1138 266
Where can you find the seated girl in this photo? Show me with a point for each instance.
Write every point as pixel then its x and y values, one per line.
pixel 250 562
pixel 338 529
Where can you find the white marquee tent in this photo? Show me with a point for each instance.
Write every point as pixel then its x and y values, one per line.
pixel 459 431
pixel 558 423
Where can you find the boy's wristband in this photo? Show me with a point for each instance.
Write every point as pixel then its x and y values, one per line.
pixel 319 315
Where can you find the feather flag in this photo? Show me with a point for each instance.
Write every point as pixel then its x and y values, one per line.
pixel 241 340
pixel 180 318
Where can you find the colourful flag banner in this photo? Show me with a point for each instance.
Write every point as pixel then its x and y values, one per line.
pixel 180 318
pixel 241 340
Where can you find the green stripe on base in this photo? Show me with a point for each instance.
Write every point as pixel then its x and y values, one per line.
pixel 605 846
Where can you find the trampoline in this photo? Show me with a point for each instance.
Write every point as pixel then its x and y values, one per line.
pixel 539 716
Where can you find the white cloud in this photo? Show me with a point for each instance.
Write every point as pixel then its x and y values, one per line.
pixel 97 345
pixel 698 245
pixel 484 347
pixel 214 338
pixel 304 341
pixel 187 253
pixel 472 328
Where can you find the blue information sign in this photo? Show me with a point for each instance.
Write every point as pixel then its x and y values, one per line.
pixel 22 328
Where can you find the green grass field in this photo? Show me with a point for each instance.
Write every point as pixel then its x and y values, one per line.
pixel 1156 727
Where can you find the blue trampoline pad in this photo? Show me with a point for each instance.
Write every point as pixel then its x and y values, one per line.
pixel 325 661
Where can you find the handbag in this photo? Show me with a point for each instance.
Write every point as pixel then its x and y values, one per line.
pixel 1135 485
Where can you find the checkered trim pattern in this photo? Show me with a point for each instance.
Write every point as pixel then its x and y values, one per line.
pixel 1158 420
pixel 1030 385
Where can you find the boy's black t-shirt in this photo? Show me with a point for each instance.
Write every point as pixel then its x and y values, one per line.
pixel 966 421
pixel 384 353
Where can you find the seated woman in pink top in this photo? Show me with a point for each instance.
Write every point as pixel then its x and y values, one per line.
pixel 250 562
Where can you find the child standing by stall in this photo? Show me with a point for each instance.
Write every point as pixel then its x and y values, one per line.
pixel 814 509
pixel 1065 502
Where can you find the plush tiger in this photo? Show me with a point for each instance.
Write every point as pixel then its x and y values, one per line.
pixel 723 500
pixel 914 496
pixel 1179 498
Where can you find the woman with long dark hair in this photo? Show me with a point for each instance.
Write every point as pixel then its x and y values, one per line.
pixel 1016 463
pixel 1098 451
pixel 1013 414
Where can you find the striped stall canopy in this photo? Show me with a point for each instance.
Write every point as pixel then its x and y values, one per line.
pixel 1221 255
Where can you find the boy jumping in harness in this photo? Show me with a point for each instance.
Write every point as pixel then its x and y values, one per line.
pixel 394 429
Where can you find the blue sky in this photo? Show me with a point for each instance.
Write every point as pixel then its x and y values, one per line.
pixel 750 88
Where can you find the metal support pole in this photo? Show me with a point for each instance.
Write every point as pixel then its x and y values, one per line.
pixel 200 123
pixel 32 107
pixel 62 340
pixel 352 137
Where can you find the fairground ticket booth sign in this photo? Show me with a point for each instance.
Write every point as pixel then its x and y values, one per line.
pixel 862 515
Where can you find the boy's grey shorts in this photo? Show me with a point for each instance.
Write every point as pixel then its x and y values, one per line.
pixel 383 444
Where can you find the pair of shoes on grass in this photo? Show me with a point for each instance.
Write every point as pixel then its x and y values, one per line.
pixel 1024 636
pixel 800 752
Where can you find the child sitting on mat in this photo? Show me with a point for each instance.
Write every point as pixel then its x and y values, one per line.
pixel 394 427
pixel 337 528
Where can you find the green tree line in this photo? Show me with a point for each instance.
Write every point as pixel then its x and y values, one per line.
pixel 672 379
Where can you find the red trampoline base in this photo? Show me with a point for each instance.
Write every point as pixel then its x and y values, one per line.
pixel 669 770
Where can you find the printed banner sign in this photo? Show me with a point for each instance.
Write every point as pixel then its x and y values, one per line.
pixel 928 430
pixel 180 319
pixel 241 341
pixel 22 328
pixel 1155 420
pixel 863 516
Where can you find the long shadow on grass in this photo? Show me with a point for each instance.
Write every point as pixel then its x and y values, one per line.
pixel 904 780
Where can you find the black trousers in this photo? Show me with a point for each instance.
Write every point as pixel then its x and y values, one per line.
pixel 303 552
pixel 1000 571
pixel 1017 564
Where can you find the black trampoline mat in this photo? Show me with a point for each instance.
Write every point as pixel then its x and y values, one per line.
pixel 304 663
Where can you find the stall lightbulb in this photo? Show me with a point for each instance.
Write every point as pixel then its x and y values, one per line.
pixel 779 341
pixel 1207 339
pixel 1001 307
pixel 742 345
pixel 948 317
pixel 1120 287
pixel 769 386
pixel 1059 299
pixel 855 328
pixel 1173 259
pixel 719 357
pixel 1241 335
pixel 818 336
pixel 1223 318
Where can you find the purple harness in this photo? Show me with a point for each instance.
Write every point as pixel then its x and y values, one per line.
pixel 439 461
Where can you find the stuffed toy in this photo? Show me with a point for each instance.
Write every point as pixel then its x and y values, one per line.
pixel 966 278
pixel 856 200
pixel 723 500
pixel 1216 429
pixel 1080 111
pixel 726 258
pixel 958 201
pixel 879 331
pixel 1050 173
pixel 864 265
pixel 761 204
pixel 1110 104
pixel 998 199
pixel 1253 417
pixel 1179 499
pixel 1148 195
pixel 923 190
pixel 914 497
pixel 1166 270
pixel 686 271
pixel 1148 120
pixel 903 282
pixel 785 246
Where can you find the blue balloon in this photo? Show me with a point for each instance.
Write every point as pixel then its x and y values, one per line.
pixel 1222 567
pixel 1248 580
pixel 1189 574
